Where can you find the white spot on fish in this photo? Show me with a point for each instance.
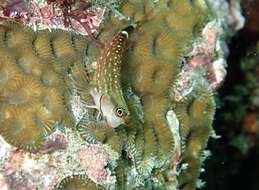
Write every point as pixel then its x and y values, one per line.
pixel 125 33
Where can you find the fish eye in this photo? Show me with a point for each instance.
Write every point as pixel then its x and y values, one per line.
pixel 119 112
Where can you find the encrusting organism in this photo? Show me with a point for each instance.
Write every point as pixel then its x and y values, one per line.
pixel 99 132
pixel 80 16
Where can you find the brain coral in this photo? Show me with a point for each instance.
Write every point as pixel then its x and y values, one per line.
pixel 33 67
pixel 150 69
pixel 77 182
pixel 33 97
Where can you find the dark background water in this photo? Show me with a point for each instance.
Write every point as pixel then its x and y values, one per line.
pixel 234 163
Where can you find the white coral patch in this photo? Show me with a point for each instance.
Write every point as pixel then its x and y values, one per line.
pixel 3 184
pixel 220 71
pixel 173 123
pixel 4 148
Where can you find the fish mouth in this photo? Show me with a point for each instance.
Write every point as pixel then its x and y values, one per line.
pixel 127 119
pixel 117 126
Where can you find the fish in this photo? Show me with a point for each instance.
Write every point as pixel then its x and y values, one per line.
pixel 107 92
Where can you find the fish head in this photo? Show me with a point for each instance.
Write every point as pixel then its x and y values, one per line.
pixel 114 110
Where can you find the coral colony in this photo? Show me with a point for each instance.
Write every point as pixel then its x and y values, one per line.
pixel 114 94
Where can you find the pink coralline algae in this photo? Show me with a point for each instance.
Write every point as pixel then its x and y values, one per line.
pixel 57 142
pixel 12 179
pixel 207 60
pixel 85 19
pixel 203 55
pixel 3 183
pixel 202 62
pixel 96 158
pixel 61 154
pixel 16 9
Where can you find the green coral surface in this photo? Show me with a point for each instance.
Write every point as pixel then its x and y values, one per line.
pixel 151 64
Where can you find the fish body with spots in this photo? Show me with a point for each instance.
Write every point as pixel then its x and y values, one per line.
pixel 107 92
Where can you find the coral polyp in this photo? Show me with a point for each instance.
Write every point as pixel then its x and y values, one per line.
pixel 30 64
pixel 22 91
pixel 77 182
pixel 19 128
pixel 8 70
pixel 99 133
pixel 31 82
pixel 195 113
pixel 15 38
